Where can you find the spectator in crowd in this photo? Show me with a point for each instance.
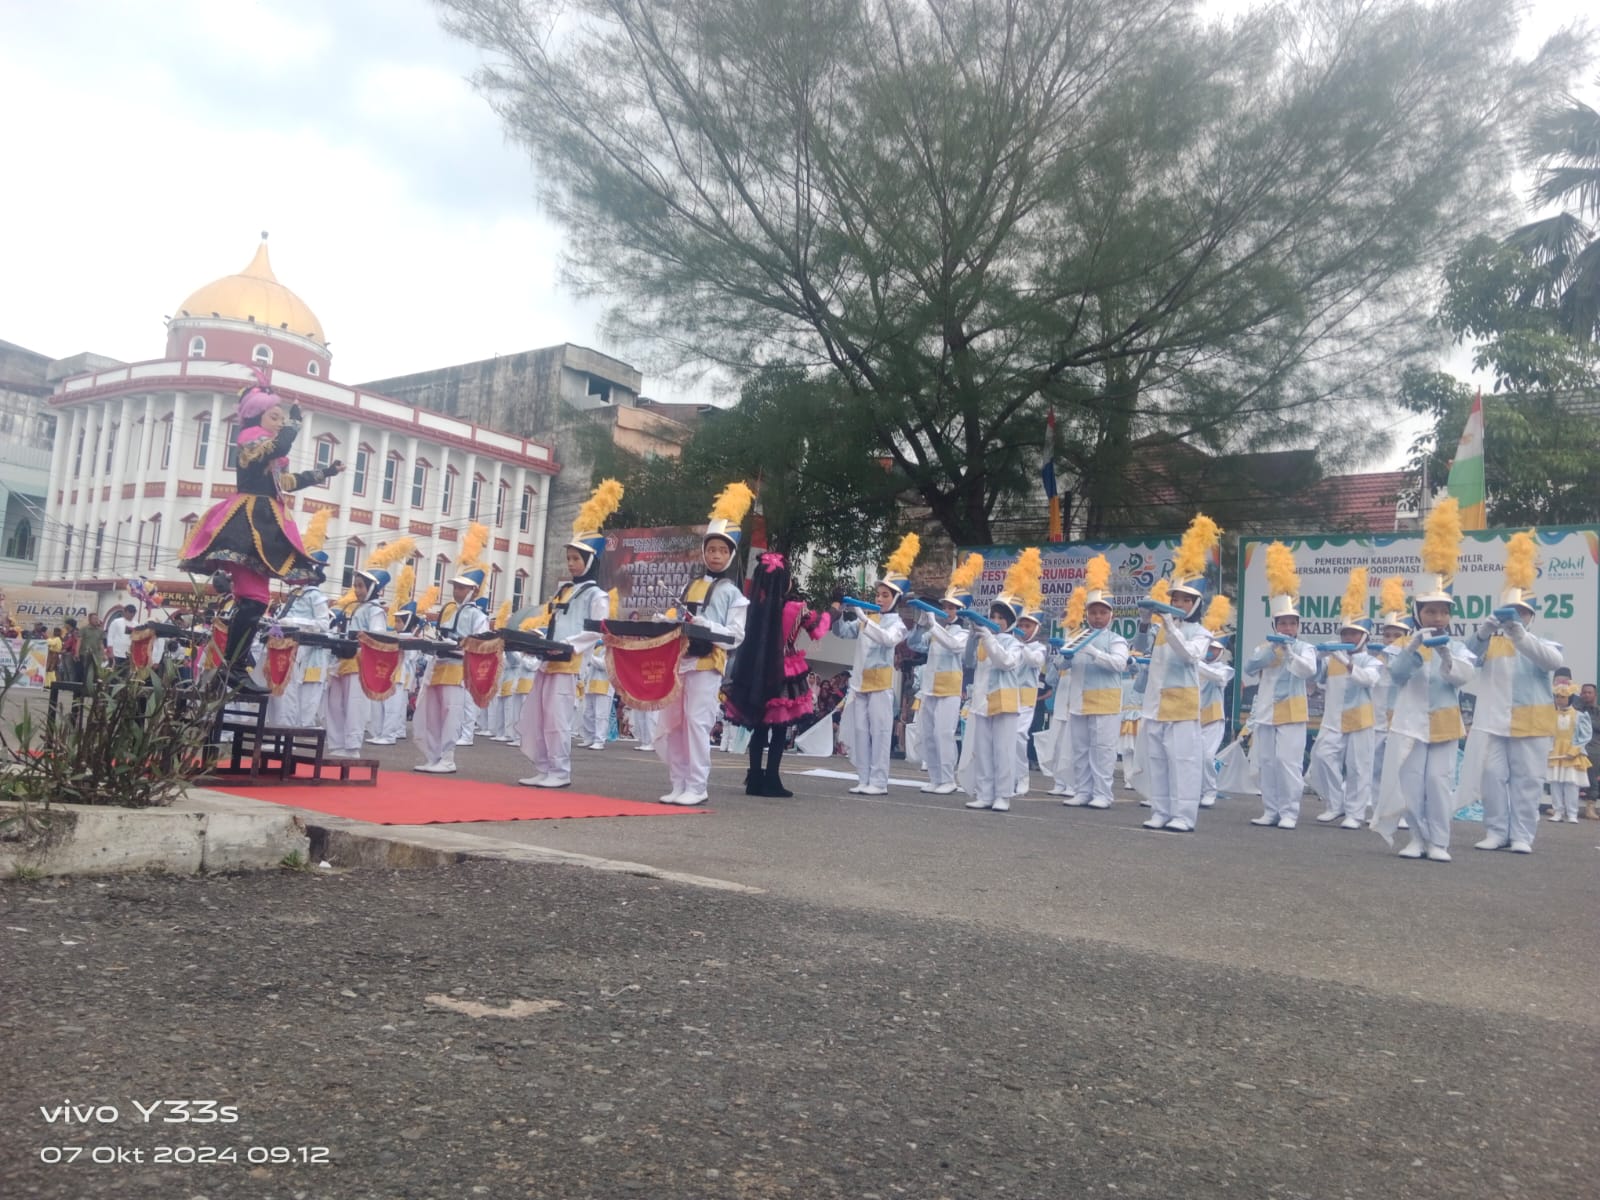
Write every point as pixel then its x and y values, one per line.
pixel 91 647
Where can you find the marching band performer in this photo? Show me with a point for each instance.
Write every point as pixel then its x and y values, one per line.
pixel 596 722
pixel 1568 768
pixel 1342 755
pixel 1215 675
pixel 442 698
pixel 996 689
pixel 347 703
pixel 305 610
pixel 1169 729
pixel 1393 628
pixel 1513 721
pixel 942 675
pixel 1031 663
pixel 1134 680
pixel 1058 680
pixel 871 696
pixel 250 534
pixel 389 715
pixel 1281 665
pixel 1092 699
pixel 544 725
pixel 716 603
pixel 1420 761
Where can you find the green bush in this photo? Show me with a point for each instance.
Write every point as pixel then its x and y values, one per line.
pixel 135 741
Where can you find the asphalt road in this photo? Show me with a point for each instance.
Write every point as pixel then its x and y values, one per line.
pixel 925 1002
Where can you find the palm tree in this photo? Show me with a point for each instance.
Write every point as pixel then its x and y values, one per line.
pixel 1565 137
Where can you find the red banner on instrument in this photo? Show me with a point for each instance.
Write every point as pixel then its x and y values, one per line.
pixel 645 669
pixel 378 663
pixel 280 663
pixel 139 650
pixel 215 652
pixel 484 658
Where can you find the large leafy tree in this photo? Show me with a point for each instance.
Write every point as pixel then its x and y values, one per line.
pixel 969 210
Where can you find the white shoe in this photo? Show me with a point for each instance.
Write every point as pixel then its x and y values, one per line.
pixel 1287 822
pixel 646 749
pixel 1414 849
pixel 554 781
pixel 1211 803
pixel 1264 819
pixel 1019 792
pixel 1522 847
pixel 927 787
pixel 1074 802
pixel 532 781
pixel 858 790
pixel 672 796
pixel 946 789
pixel 1349 823
pixel 466 741
pixel 1058 790
pixel 979 804
pixel 1178 825
pixel 1099 802
pixel 425 768
pixel 1572 820
pixel 1556 817
pixel 1490 843
pixel 1154 823
pixel 690 799
pixel 1001 805
pixel 874 791
pixel 380 741
pixel 596 746
pixel 1331 815
pixel 1404 824
pixel 1144 804
pixel 1438 854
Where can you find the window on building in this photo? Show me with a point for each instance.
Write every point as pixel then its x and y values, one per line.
pixel 197 347
pixel 166 444
pixel 155 541
pixel 230 460
pixel 352 560
pixel 494 588
pixel 441 564
pixel 501 496
pixel 262 354
pixel 325 451
pixel 358 475
pixel 448 497
pixel 419 482
pixel 99 544
pixel 111 445
pixel 474 498
pixel 525 515
pixel 391 478
pixel 20 543
pixel 313 367
pixel 519 590
pixel 66 552
pixel 77 456
pixel 202 441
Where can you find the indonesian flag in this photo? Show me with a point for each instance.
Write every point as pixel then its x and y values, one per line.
pixel 1466 472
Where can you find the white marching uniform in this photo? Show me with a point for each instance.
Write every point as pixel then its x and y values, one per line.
pixel 1279 717
pixel 1214 677
pixel 1058 761
pixel 683 734
pixel 940 694
pixel 1343 753
pixel 992 715
pixel 1568 766
pixel 347 703
pixel 1420 762
pixel 595 726
pixel 871 696
pixel 443 695
pixel 1169 725
pixel 306 610
pixel 1092 706
pixel 1032 661
pixel 544 724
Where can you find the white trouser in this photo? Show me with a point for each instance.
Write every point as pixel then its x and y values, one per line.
pixel 596 717
pixel 871 735
pixel 1425 772
pixel 347 714
pixel 1024 724
pixel 1278 752
pixel 393 725
pixel 1174 769
pixel 937 720
pixel 495 715
pixel 644 727
pixel 1129 747
pixel 994 756
pixel 1513 782
pixel 438 721
pixel 684 741
pixel 470 713
pixel 544 726
pixel 1094 754
pixel 1210 743
pixel 514 709
pixel 1380 739
pixel 284 709
pixel 1564 800
pixel 312 697
pixel 1325 772
pixel 1063 762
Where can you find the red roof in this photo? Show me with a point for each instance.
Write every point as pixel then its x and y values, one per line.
pixel 1358 503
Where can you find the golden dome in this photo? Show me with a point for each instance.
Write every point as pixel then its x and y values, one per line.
pixel 255 294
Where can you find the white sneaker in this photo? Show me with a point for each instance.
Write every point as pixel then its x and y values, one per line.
pixel 1099 802
pixel 978 804
pixel 464 741
pixel 1490 843
pixel 1154 823
pixel 597 745
pixel 858 790
pixel 1144 804
pixel 1288 822
pixel 874 791
pixel 1001 805
pixel 1572 820
pixel 1022 791
pixel 1438 854
pixel 1074 802
pixel 532 781
pixel 1556 817
pixel 1522 847
pixel 1211 803
pixel 1404 824
pixel 380 741
pixel 646 749
pixel 690 799
pixel 1331 815
pixel 1264 819
pixel 1058 790
pixel 1349 823
pixel 945 789
pixel 1178 825
pixel 1414 849
pixel 554 781
pixel 672 796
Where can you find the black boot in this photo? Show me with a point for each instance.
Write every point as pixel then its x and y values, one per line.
pixel 755 779
pixel 242 624
pixel 772 785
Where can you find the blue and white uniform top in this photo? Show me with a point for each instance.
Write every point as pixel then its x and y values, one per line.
pixel 942 674
pixel 1172 688
pixel 876 635
pixel 1428 705
pixel 1214 677
pixel 570 607
pixel 1513 681
pixel 1281 670
pixel 307 609
pixel 1347 681
pixel 1094 678
pixel 994 679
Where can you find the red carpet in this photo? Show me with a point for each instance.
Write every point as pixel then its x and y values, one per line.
pixel 408 799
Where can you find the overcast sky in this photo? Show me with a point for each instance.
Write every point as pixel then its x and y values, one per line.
pixel 148 142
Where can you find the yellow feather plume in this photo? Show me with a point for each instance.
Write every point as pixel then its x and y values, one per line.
pixel 1032 596
pixel 964 576
pixel 1282 578
pixel 1520 554
pixel 538 621
pixel 316 530
pixel 404 587
pixel 1024 574
pixel 472 547
pixel 1097 575
pixel 501 614
pixel 614 607
pixel 1392 595
pixel 1354 605
pixel 347 601
pixel 1441 539
pixel 598 508
pixel 429 602
pixel 1076 603
pixel 1162 592
pixel 732 503
pixel 1218 613
pixel 905 555
pixel 1198 541
pixel 392 552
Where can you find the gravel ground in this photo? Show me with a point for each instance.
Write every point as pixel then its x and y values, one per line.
pixel 703 1044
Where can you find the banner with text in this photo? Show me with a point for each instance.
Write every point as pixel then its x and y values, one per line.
pixel 1135 567
pixel 650 567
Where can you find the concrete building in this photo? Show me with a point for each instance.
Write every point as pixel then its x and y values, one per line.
pixel 27 431
pixel 142 450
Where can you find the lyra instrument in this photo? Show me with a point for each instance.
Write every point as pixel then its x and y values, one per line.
pixel 176 633
pixel 1080 641
pixel 1281 639
pixel 1335 648
pixel 863 605
pixel 922 605
pixel 977 618
pixel 656 628
pixel 523 642
pixel 1442 640
pixel 1507 614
